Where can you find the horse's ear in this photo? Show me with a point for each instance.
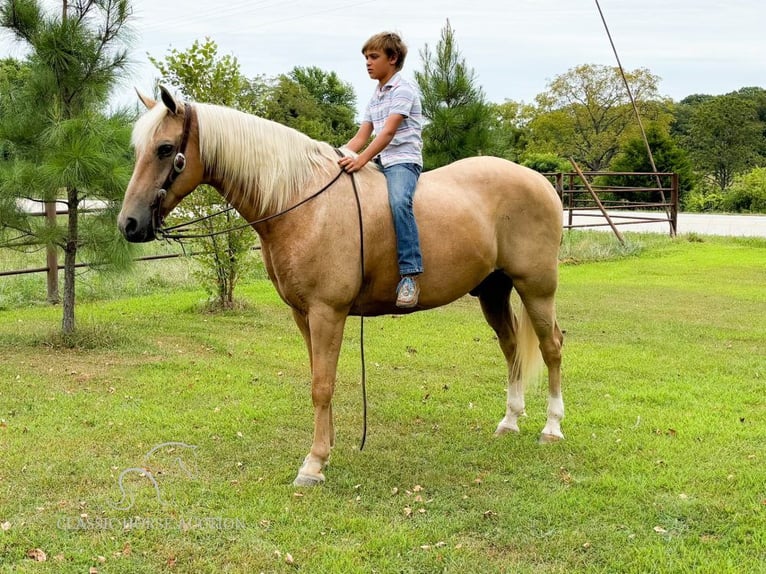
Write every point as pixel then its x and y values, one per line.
pixel 146 100
pixel 168 100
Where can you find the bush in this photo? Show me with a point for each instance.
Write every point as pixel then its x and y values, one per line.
pixel 747 194
pixel 546 162
pixel 699 201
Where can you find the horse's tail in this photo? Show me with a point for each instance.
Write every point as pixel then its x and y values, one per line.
pixel 528 361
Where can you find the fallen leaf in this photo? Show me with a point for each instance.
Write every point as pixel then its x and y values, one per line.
pixel 37 555
pixel 5 526
pixel 407 511
pixel 660 530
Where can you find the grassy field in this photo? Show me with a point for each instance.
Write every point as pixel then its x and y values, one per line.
pixel 662 469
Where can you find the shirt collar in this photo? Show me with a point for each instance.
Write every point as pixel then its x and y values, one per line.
pixel 392 82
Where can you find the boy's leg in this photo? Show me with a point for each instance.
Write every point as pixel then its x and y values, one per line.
pixel 401 180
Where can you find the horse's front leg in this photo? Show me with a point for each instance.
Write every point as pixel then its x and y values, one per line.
pixel 325 335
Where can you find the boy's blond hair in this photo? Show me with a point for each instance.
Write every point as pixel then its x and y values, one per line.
pixel 389 43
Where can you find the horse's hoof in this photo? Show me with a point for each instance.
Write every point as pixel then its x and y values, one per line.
pixel 546 438
pixel 502 429
pixel 308 480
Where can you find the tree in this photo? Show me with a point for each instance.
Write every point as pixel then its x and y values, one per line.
pixel 507 129
pixel 725 137
pixel 668 157
pixel 336 100
pixel 458 118
pixel 201 75
pixel 314 102
pixel 586 113
pixel 60 146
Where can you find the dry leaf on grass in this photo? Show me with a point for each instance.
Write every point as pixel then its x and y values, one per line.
pixel 37 555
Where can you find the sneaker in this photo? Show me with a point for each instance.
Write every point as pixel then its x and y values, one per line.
pixel 407 293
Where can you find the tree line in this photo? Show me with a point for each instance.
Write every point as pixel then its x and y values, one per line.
pixel 60 141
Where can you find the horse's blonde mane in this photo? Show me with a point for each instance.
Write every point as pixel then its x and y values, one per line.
pixel 265 162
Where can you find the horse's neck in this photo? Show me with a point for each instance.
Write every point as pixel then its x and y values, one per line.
pixel 248 203
pixel 261 167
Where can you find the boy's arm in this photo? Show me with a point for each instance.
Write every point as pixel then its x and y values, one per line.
pixel 376 146
pixel 360 138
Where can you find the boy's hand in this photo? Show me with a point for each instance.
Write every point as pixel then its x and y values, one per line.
pixel 351 164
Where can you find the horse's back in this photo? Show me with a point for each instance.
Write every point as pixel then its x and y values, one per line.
pixel 510 205
pixel 493 179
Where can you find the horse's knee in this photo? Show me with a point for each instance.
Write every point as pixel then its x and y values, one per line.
pixel 321 394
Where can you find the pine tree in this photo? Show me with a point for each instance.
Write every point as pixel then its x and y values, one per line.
pixel 458 118
pixel 59 144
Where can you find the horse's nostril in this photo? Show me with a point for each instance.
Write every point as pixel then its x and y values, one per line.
pixel 131 224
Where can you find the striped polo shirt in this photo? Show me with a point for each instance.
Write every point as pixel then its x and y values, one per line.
pixel 398 96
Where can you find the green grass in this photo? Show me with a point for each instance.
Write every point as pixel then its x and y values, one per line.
pixel 662 469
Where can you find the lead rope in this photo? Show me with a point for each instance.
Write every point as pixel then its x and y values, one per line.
pixel 361 312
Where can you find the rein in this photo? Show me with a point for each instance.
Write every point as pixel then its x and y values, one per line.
pixel 173 232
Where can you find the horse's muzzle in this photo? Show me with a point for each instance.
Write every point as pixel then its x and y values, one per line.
pixel 142 225
pixel 135 232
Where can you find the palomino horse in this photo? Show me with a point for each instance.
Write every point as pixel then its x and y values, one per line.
pixel 486 226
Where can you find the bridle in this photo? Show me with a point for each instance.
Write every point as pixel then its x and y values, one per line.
pixel 176 168
pixel 177 232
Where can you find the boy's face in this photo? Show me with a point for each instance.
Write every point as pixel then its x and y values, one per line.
pixel 379 66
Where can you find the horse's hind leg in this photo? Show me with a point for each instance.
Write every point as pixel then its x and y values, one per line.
pixel 495 299
pixel 538 296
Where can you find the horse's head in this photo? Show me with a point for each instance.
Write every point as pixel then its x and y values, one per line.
pixel 167 166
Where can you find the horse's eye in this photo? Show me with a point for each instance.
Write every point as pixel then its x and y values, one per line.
pixel 164 151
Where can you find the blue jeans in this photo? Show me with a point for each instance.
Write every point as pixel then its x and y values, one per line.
pixel 401 179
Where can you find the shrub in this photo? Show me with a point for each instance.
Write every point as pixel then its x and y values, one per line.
pixel 546 162
pixel 747 193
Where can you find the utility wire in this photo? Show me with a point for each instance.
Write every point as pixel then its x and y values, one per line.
pixel 635 107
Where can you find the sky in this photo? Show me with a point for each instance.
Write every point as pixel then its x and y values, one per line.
pixel 515 47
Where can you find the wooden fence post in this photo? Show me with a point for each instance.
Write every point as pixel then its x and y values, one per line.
pixel 52 256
